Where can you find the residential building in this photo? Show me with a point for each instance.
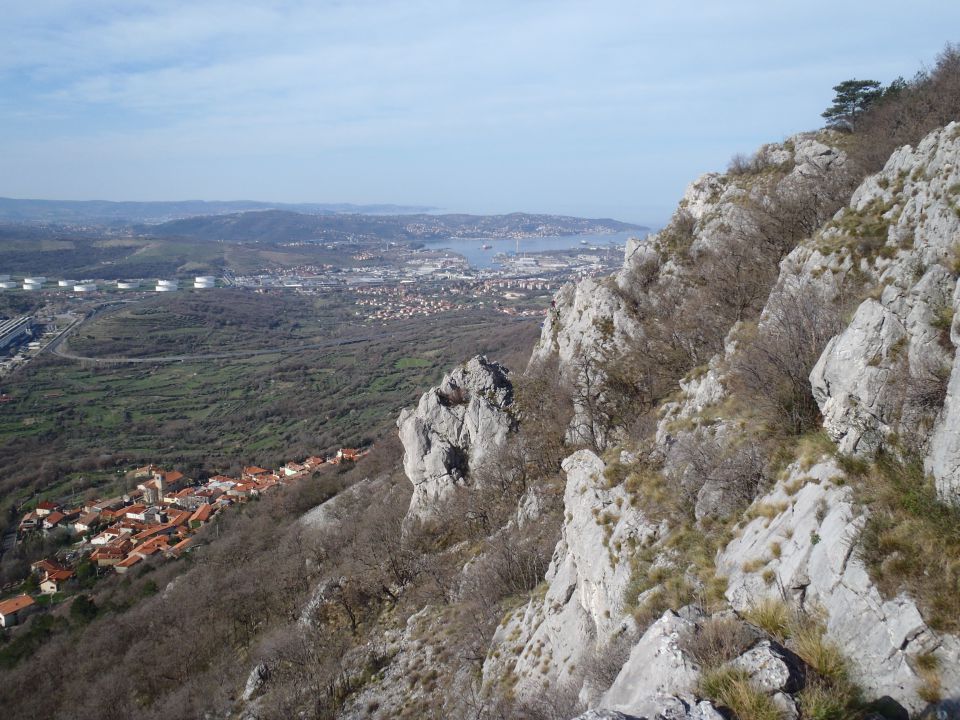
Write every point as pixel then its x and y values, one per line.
pixel 15 609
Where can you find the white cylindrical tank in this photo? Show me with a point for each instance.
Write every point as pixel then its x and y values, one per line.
pixel 167 283
pixel 166 288
pixel 64 283
pixel 128 284
pixel 85 287
pixel 7 284
pixel 204 282
pixel 32 286
pixel 38 279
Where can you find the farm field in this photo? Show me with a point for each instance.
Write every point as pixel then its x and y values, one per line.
pixel 71 425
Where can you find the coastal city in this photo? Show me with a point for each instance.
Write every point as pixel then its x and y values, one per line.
pixel 383 287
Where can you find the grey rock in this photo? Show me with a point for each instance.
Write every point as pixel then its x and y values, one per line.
pixel 657 667
pixel 604 715
pixel 770 668
pixel 787 706
pixel 255 681
pixel 453 430
pixel 664 707
pixel 580 611
pixel 817 566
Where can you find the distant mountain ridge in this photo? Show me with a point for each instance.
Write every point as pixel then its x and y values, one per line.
pixel 130 212
pixel 272 226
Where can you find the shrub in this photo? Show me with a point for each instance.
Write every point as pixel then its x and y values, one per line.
pixel 907 111
pixel 773 369
pixel 741 164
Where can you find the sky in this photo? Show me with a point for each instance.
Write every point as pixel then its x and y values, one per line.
pixel 606 108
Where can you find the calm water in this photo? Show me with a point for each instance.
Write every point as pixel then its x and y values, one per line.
pixel 473 250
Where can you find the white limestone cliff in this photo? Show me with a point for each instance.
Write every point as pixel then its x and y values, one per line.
pixel 454 428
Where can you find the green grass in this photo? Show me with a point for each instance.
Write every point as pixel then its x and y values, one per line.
pixel 411 362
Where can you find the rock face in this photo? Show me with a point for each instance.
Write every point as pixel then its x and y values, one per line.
pixel 588 319
pixel 453 429
pixel 943 460
pixel 887 370
pixel 802 543
pixel 580 607
pixel 657 670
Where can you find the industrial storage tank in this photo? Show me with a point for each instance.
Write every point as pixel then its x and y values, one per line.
pixel 128 284
pixel 7 284
pixel 65 283
pixel 85 287
pixel 204 281
pixel 38 279
pixel 32 284
pixel 166 285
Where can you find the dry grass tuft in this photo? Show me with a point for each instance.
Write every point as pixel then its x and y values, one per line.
pixel 911 541
pixel 732 688
pixel 772 616
pixel 717 641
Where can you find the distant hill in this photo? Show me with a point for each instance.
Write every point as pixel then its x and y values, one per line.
pixel 103 212
pixel 273 226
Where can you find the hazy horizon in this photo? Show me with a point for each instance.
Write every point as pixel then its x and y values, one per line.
pixel 536 107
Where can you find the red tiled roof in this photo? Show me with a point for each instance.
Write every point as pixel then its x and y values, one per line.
pixel 151 532
pixel 15 604
pixel 47 566
pixel 181 546
pixel 47 505
pixel 53 518
pixel 202 514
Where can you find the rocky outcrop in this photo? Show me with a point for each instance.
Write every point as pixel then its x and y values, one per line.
pixel 801 543
pixel 453 429
pixel 595 319
pixel 588 321
pixel 886 372
pixel 578 609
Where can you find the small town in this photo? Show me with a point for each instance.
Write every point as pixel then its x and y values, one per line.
pixel 155 521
